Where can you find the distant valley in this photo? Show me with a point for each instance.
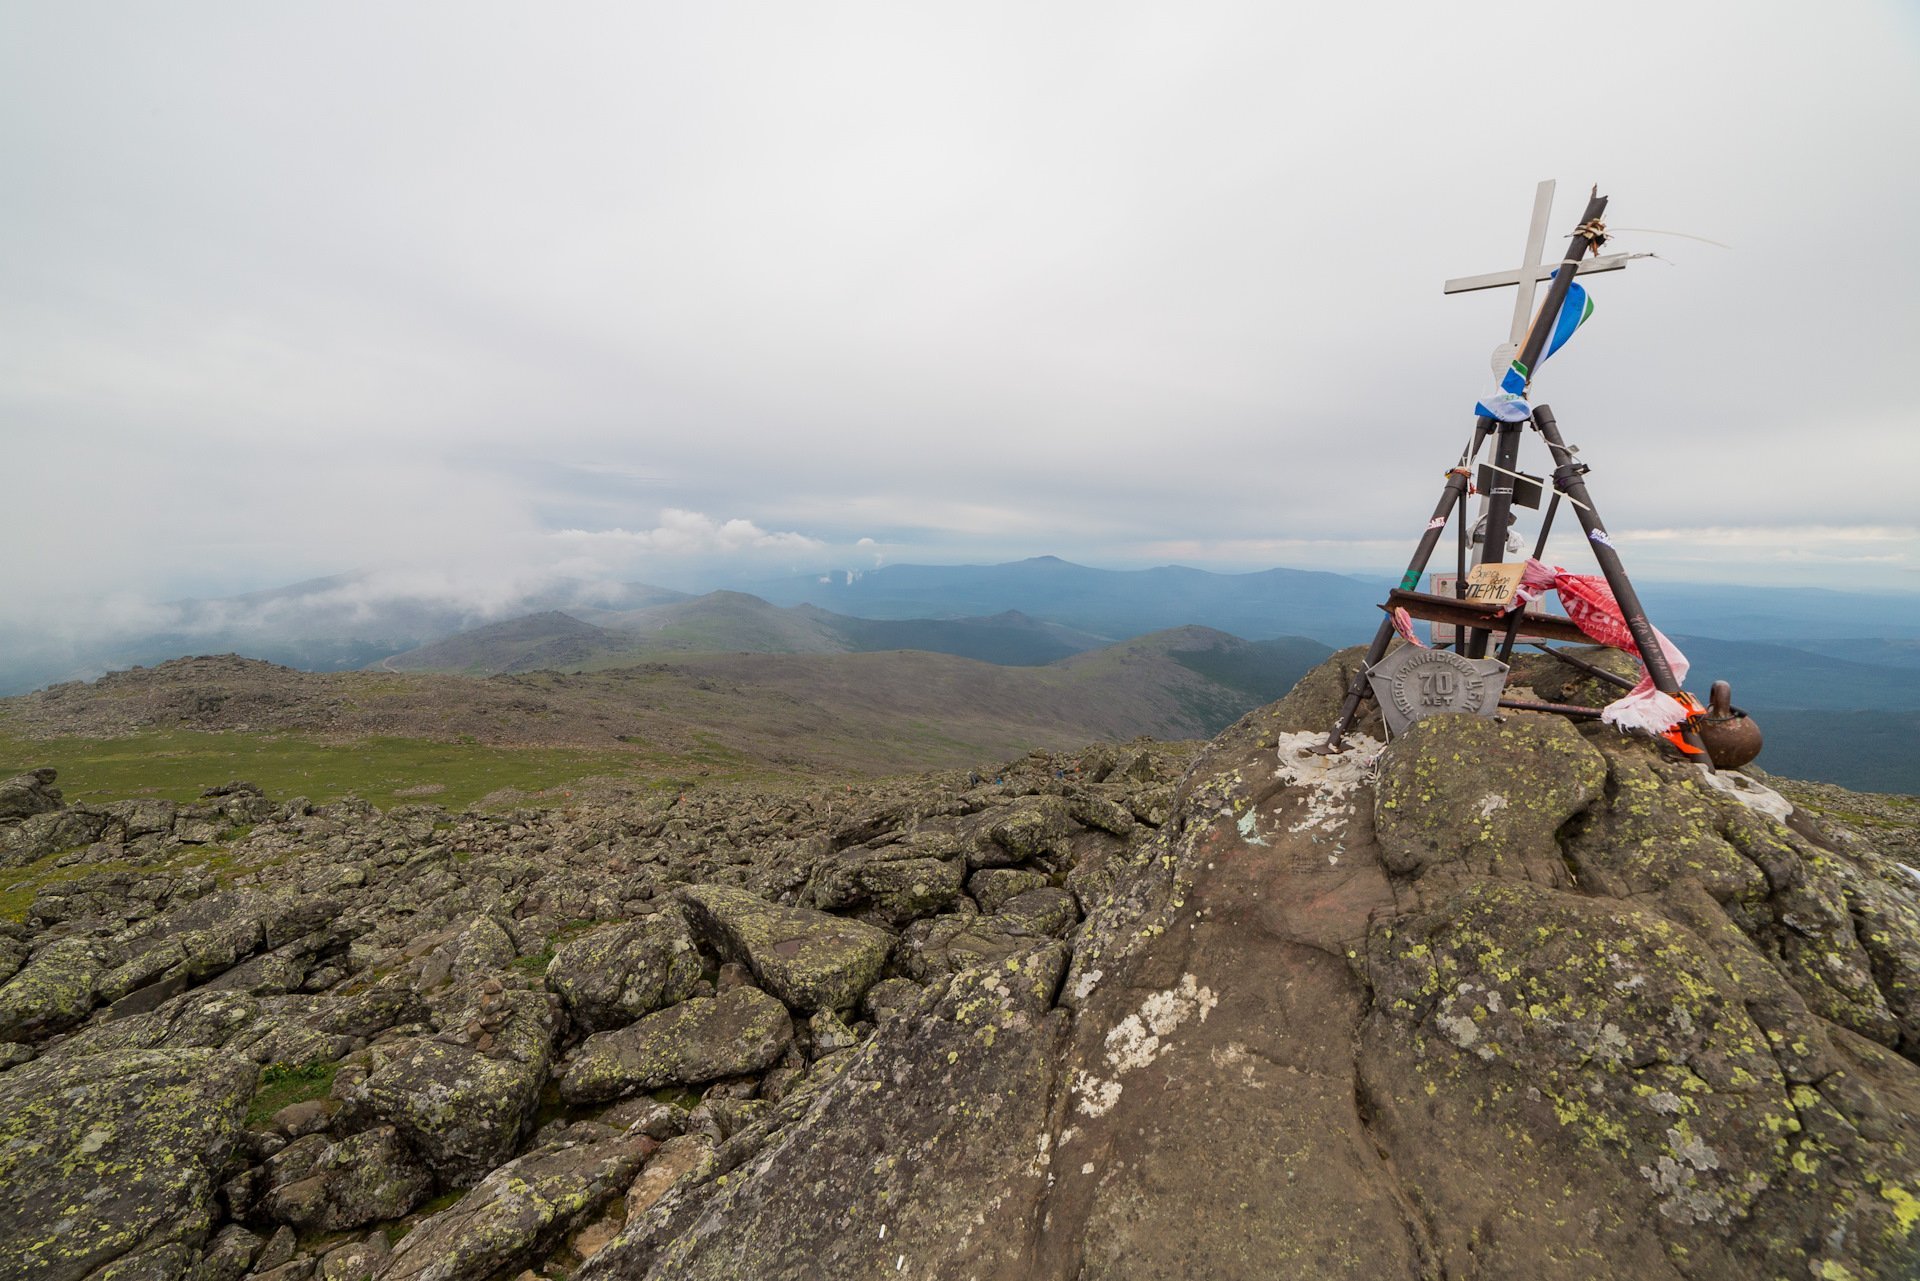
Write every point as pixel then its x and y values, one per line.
pixel 1833 677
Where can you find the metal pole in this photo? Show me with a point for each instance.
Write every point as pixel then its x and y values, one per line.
pixel 1601 673
pixel 1454 492
pixel 1539 550
pixel 1568 479
pixel 1460 576
pixel 1506 456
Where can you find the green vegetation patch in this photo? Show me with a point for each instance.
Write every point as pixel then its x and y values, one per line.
pixel 178 764
pixel 19 886
pixel 284 1084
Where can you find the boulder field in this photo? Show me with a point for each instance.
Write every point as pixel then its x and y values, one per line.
pixel 1497 999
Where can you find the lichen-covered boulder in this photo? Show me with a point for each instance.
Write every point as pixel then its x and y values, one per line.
pixel 518 1212
pixel 1048 910
pixel 53 991
pixel 464 1099
pixel 948 944
pixel 49 833
pixel 924 1149
pixel 810 960
pixel 1093 809
pixel 25 795
pixel 704 1039
pixel 481 944
pixel 1469 795
pixel 1028 829
pixel 613 975
pixel 886 891
pixel 324 1184
pixel 112 1157
pixel 992 886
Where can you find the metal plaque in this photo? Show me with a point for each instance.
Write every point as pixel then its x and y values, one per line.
pixel 1413 683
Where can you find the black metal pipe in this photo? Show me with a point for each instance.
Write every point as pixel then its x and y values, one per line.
pixel 1460 570
pixel 1560 709
pixel 1568 478
pixel 1493 543
pixel 1610 678
pixel 1454 492
pixel 1539 550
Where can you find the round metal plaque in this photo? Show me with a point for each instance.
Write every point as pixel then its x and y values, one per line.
pixel 1412 684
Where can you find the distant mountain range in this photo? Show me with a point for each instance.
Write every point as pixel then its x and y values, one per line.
pixel 1331 608
pixel 1795 656
pixel 886 712
pixel 733 622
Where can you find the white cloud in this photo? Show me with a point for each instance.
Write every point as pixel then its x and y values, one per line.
pixel 687 533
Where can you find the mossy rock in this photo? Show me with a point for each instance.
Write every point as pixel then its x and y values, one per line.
pixel 743 1030
pixel 811 960
pixel 1477 796
pixel 109 1156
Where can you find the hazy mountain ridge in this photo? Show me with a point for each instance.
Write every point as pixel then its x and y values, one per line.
pixel 872 712
pixel 733 622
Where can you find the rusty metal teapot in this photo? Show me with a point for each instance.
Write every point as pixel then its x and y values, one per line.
pixel 1731 737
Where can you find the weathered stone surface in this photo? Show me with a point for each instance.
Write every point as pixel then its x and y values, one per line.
pixel 114 1156
pixel 25 795
pixel 886 891
pixel 992 886
pixel 52 992
pixel 512 1216
pixel 229 1255
pixel 611 976
pixel 687 1158
pixel 356 1260
pixel 883 1147
pixel 948 944
pixel 318 1183
pixel 1091 809
pixel 49 833
pixel 1474 796
pixel 890 997
pixel 481 944
pixel 1043 911
pixel 703 1039
pixel 1028 829
pixel 463 1100
pixel 809 959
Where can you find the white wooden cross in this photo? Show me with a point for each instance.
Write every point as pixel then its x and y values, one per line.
pixel 1532 271
pixel 1527 277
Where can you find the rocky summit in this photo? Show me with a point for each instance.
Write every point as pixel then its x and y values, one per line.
pixel 1497 999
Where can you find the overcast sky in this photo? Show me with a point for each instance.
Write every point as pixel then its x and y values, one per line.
pixel 658 292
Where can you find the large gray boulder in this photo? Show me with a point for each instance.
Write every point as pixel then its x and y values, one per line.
pixel 925 1148
pixel 53 991
pixel 884 888
pixel 462 1100
pixel 611 976
pixel 25 795
pixel 320 1183
pixel 704 1039
pixel 114 1157
pixel 518 1212
pixel 809 959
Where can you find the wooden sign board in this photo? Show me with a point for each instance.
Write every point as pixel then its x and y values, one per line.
pixel 1489 584
pixel 1493 584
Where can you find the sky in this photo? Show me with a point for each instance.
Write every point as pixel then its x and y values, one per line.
pixel 475 294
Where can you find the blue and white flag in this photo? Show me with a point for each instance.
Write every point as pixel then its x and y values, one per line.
pixel 1507 400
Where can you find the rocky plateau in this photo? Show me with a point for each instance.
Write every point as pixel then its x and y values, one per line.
pixel 1497 999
